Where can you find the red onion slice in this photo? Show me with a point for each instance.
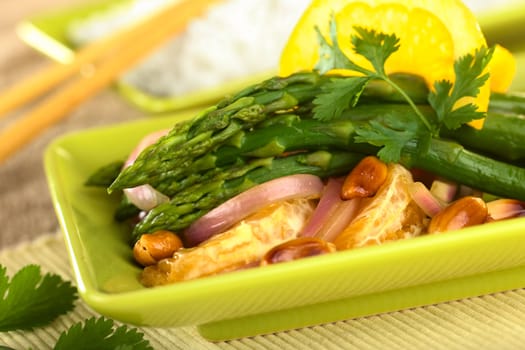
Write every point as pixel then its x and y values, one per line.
pixel 330 199
pixel 342 216
pixel 444 190
pixel 424 198
pixel 501 209
pixel 248 202
pixel 145 197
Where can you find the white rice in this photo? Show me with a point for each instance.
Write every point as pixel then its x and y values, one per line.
pixel 235 39
pixel 479 6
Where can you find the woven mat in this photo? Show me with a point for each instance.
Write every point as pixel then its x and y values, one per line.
pixel 490 322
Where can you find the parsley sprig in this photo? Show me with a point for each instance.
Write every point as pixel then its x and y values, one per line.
pixel 469 79
pixel 32 299
pixel 100 334
pixel 449 101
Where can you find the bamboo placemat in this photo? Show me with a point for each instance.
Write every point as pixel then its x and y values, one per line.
pixel 494 321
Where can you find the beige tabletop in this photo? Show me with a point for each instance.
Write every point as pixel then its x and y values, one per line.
pixel 29 234
pixel 25 207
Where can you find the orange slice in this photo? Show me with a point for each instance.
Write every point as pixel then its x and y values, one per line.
pixel 238 247
pixel 389 215
pixel 433 34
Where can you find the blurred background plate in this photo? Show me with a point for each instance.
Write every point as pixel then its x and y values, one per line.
pixel 212 59
pixel 53 34
pixel 502 23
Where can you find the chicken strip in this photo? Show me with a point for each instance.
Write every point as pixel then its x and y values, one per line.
pixel 241 246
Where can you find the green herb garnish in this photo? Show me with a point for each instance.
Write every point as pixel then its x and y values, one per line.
pixel 100 334
pixel 340 95
pixel 31 299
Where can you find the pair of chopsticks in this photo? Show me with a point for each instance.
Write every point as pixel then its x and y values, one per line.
pixel 108 57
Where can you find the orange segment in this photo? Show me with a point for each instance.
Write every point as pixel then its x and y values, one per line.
pixel 433 35
pixel 389 215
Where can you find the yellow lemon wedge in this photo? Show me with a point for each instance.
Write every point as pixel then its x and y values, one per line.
pixel 419 32
pixel 502 69
pixel 433 34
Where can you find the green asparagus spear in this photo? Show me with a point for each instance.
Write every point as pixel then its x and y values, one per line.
pixel 217 124
pixel 452 161
pixel 172 158
pixel 195 201
pixel 291 132
pixel 446 158
pixel 513 103
pixel 502 136
pixel 274 140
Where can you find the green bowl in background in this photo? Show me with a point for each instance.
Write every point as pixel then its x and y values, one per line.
pixel 47 32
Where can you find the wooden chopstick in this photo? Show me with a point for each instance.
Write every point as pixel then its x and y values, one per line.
pixel 110 57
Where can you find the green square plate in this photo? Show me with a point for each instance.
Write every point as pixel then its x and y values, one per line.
pixel 349 284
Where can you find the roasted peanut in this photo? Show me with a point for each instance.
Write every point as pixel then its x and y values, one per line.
pixel 296 249
pixel 466 211
pixel 152 247
pixel 365 179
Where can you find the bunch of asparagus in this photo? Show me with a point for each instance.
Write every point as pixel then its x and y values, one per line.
pixel 267 131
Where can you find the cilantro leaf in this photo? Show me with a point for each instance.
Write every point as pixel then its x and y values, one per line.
pixel 331 56
pixel 98 333
pixel 337 96
pixel 31 299
pixel 391 134
pixel 439 99
pixel 375 47
pixel 462 115
pixel 447 97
